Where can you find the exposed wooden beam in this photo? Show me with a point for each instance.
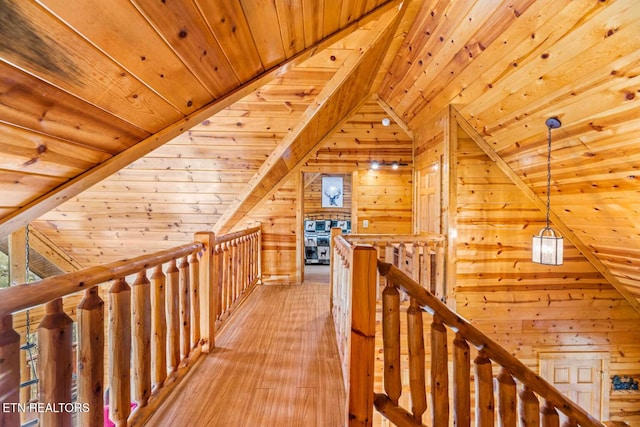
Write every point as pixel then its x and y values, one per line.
pixel 18 257
pixel 75 186
pixel 542 205
pixel 344 92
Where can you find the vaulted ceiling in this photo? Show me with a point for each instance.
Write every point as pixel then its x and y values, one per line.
pixel 148 120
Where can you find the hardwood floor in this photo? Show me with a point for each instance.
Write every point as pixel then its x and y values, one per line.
pixel 275 364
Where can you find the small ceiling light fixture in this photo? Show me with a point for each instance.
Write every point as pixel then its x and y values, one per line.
pixel 547 245
pixel 395 166
pixel 375 165
pixel 386 121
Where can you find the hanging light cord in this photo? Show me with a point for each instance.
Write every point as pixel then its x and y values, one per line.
pixel 548 175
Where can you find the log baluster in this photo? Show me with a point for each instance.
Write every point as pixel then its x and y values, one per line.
pixel 507 415
pixel 389 252
pixel 529 408
pixel 219 254
pixel 425 266
pixel 208 291
pixel 194 303
pixel 461 382
pixel 120 352
pixel 259 255
pixel 439 286
pixel 549 415
pixel 234 271
pixel 228 277
pixel 173 316
pixel 570 423
pixel 439 373
pixel 417 381
pixel 158 328
pixel 402 257
pixel 415 265
pixel 141 342
pixel 247 263
pixel 55 363
pixel 391 342
pixel 484 391
pixel 90 319
pixel 185 311
pixel 9 371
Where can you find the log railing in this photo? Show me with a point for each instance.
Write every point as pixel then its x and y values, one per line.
pixel 420 256
pixel 158 326
pixel 518 390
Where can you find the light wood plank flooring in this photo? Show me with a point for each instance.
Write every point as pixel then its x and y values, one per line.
pixel 275 364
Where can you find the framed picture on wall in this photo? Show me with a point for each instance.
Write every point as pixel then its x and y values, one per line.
pixel 332 192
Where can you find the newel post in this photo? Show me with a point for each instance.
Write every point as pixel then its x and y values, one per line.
pixel 208 290
pixel 362 348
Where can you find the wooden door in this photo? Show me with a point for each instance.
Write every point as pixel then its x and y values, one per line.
pixel 580 377
pixel 428 204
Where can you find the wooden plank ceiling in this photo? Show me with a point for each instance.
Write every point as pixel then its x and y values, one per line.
pixel 246 91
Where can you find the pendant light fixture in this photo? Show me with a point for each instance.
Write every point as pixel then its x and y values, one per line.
pixel 547 245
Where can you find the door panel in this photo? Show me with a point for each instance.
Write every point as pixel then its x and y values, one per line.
pixel 579 377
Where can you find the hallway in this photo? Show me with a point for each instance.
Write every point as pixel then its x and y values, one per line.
pixel 275 363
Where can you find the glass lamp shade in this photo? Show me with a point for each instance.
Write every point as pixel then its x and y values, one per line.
pixel 547 247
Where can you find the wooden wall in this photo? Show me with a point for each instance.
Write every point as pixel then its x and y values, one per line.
pixel 528 308
pixel 384 198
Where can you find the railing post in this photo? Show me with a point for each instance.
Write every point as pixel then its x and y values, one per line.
pixel 461 382
pixel 439 372
pixel 120 352
pixel 507 415
pixel 362 348
pixel 484 391
pixel 550 416
pixel 9 372
pixel 391 341
pixel 55 365
pixel 417 381
pixel 185 311
pixel 91 357
pixel 194 302
pixel 208 290
pixel 219 283
pixel 141 342
pixel 529 408
pixel 173 316
pixel 158 328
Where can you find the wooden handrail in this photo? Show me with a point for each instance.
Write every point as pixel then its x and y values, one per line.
pixel 487 346
pixel 18 298
pixel 406 238
pixel 172 317
pixel 236 234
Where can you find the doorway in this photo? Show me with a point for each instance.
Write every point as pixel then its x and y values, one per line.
pixel 326 203
pixel 581 377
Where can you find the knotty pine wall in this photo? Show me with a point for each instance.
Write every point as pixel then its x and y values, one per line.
pixel 385 199
pixel 526 307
